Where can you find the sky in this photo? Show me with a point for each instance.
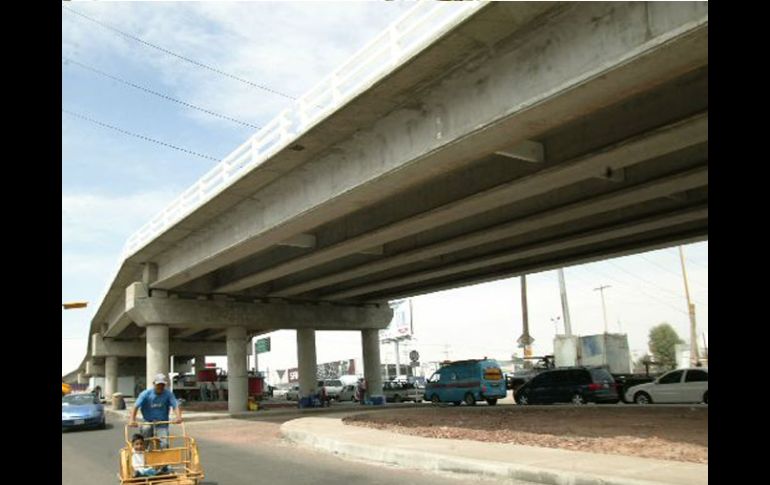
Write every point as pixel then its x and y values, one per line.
pixel 113 183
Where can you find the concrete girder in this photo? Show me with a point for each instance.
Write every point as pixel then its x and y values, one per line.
pixel 562 243
pixel 662 141
pixel 221 314
pixel 625 197
pixel 101 347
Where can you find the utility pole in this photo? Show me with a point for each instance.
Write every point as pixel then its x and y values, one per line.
pixel 564 304
pixel 691 310
pixel 525 340
pixel 398 357
pixel 604 307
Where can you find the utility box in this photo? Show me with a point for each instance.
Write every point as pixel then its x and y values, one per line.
pixel 607 349
pixel 565 350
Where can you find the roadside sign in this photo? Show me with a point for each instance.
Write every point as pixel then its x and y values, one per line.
pixel 262 345
pixel 414 356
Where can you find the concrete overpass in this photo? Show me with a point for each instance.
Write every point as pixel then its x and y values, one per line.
pixel 469 142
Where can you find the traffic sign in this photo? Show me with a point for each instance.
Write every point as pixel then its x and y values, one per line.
pixel 262 345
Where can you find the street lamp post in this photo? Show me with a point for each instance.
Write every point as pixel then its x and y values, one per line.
pixel 75 304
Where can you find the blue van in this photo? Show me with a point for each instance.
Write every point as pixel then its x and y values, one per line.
pixel 467 381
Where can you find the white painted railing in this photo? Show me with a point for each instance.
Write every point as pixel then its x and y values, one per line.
pixel 405 37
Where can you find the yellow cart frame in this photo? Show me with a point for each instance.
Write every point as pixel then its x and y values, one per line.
pixel 181 457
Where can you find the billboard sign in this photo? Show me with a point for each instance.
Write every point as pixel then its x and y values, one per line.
pixel 401 325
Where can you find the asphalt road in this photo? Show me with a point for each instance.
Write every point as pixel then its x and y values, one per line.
pixel 238 452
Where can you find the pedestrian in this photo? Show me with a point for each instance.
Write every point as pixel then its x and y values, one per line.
pixel 155 404
pixel 361 391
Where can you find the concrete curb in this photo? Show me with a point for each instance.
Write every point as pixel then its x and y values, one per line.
pixel 434 462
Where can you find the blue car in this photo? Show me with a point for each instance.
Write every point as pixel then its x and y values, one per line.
pixel 82 411
pixel 467 381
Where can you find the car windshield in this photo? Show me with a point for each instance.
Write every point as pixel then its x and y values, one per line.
pixel 601 375
pixel 334 383
pixel 78 400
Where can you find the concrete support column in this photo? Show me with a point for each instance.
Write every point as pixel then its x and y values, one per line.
pixel 157 352
pixel 306 361
pixel 237 380
pixel 82 379
pixel 370 341
pixel 200 363
pixel 110 376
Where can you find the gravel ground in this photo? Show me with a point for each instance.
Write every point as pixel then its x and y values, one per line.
pixel 667 433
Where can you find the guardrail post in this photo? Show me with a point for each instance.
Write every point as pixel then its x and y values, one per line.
pixel 395 48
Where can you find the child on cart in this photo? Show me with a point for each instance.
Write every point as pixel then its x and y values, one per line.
pixel 137 459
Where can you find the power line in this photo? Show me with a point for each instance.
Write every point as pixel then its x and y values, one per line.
pixel 136 135
pixel 645 280
pixel 156 93
pixel 646 294
pixel 178 56
pixel 678 275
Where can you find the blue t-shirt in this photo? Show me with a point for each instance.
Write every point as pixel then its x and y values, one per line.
pixel 155 406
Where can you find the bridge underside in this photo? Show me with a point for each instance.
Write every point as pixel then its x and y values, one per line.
pixel 628 178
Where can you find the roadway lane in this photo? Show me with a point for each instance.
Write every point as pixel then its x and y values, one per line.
pixel 238 452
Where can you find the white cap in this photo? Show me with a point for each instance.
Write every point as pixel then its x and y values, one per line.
pixel 159 379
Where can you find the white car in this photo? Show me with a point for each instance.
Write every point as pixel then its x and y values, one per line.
pixel 676 386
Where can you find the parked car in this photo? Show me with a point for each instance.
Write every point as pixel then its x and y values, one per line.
pixel 578 385
pixel 280 391
pixel 293 393
pixel 333 388
pixel 399 391
pixel 467 381
pixel 82 410
pixel 348 393
pixel 676 386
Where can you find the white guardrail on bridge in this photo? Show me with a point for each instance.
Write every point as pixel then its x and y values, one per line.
pixel 412 32
pixel 415 30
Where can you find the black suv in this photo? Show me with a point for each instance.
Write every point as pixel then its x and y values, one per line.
pixel 578 385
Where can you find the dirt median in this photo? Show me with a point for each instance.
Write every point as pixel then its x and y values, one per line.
pixel 667 433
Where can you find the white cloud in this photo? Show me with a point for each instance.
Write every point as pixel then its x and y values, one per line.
pixel 93 218
pixel 285 46
pixel 72 352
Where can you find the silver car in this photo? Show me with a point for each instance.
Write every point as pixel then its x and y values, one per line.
pixel 676 386
pixel 333 388
pixel 399 391
pixel 293 393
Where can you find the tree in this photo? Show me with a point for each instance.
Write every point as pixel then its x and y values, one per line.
pixel 662 342
pixel 639 365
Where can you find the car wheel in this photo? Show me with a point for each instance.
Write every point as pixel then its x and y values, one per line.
pixel 435 399
pixel 491 401
pixel 396 398
pixel 456 403
pixel 706 397
pixel 523 400
pixel 470 400
pixel 642 398
pixel 103 425
pixel 578 400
